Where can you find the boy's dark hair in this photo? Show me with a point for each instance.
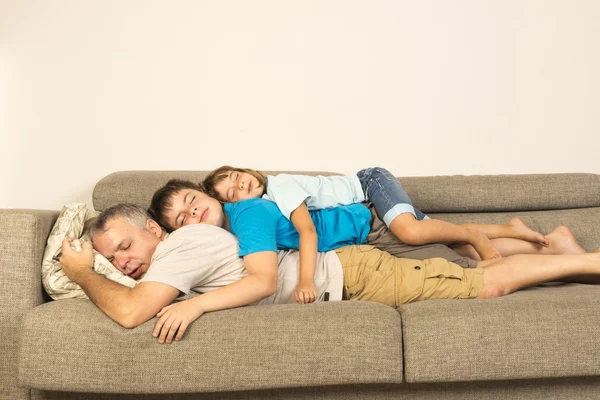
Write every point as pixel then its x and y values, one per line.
pixel 222 173
pixel 162 200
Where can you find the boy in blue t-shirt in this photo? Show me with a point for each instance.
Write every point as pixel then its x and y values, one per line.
pixel 260 226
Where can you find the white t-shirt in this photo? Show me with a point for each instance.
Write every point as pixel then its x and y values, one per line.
pixel 318 192
pixel 329 277
pixel 200 258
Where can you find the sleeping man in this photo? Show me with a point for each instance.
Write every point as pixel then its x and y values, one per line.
pixel 204 258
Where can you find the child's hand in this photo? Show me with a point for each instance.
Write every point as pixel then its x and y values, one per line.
pixel 306 292
pixel 175 319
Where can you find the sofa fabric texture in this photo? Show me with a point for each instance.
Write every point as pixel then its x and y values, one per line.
pixel 250 348
pixel 430 194
pixel 23 235
pixel 540 343
pixel 541 389
pixel 540 332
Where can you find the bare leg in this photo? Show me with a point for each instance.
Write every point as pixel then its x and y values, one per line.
pixel 507 275
pixel 413 232
pixel 569 247
pixel 515 229
pixel 593 279
pixel 561 241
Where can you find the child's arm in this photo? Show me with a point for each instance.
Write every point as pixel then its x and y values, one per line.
pixel 306 292
pixel 260 283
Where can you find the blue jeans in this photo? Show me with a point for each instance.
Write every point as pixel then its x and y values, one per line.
pixel 387 194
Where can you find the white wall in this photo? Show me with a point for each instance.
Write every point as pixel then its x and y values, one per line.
pixel 429 87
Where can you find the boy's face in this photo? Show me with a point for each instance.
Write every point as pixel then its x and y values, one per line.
pixel 239 186
pixel 191 206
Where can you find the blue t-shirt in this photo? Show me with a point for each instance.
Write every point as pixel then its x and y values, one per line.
pixel 260 226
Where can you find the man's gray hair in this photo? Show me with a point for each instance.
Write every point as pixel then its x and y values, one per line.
pixel 132 213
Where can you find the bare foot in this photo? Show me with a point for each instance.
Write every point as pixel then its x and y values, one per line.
pixel 562 241
pixel 521 231
pixel 483 246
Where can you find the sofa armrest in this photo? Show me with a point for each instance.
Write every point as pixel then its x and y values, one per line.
pixel 23 235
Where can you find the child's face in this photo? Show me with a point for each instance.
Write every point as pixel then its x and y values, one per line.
pixel 239 186
pixel 191 206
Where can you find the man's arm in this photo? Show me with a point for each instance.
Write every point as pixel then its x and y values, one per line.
pixel 261 282
pixel 128 307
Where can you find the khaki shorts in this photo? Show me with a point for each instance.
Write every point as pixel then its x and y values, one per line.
pixel 374 275
pixel 384 239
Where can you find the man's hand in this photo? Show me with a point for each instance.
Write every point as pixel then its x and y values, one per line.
pixel 175 318
pixel 306 292
pixel 73 261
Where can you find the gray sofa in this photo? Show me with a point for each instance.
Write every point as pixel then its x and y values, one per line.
pixel 539 343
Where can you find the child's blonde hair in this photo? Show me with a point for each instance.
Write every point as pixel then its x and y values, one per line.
pixel 221 173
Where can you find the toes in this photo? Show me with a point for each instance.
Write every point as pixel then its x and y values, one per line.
pixel 543 241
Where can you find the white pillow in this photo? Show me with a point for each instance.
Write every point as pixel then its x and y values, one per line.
pixel 70 224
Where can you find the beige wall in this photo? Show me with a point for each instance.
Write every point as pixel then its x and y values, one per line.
pixel 429 87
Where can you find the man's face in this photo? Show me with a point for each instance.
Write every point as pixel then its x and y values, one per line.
pixel 191 206
pixel 128 247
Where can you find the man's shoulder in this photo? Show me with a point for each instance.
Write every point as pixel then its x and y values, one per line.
pixel 194 247
pixel 194 236
pixel 196 231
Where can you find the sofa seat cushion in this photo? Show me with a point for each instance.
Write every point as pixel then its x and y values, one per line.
pixel 70 345
pixel 540 332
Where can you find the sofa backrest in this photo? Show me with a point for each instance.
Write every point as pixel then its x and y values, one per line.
pixel 543 202
pixel 431 194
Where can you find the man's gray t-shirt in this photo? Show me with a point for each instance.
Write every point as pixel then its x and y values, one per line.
pixel 200 258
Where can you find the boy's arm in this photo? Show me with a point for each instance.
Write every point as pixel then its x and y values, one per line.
pixel 260 283
pixel 128 307
pixel 306 292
